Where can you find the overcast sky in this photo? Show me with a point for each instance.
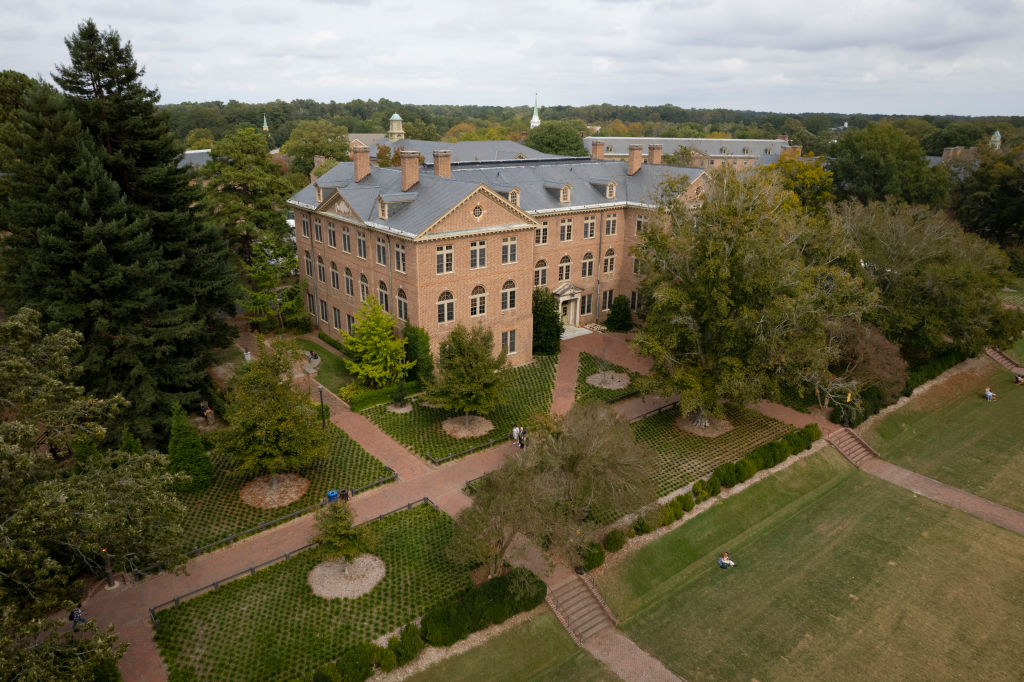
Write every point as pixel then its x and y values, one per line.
pixel 870 56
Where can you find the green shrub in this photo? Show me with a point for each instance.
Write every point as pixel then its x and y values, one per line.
pixel 641 526
pixel 328 672
pixel 745 468
pixel 686 502
pixel 369 397
pixel 935 366
pixel 326 412
pixel 547 323
pixel 186 454
pixel 620 317
pixel 593 556
pixel 476 608
pixel 615 540
pixel 671 512
pixel 714 487
pixel 726 474
pixel 386 659
pixel 699 490
pixel 813 432
pixel 417 348
pixel 399 396
pixel 332 342
pixel 356 664
pixel 409 646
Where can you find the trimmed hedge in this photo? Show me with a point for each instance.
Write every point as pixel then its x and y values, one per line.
pixel 358 663
pixel 933 368
pixel 478 607
pixel 615 540
pixel 333 343
pixel 360 397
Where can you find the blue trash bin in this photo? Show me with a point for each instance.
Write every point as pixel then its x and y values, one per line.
pixel 332 495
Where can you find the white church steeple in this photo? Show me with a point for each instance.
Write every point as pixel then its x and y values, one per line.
pixel 535 121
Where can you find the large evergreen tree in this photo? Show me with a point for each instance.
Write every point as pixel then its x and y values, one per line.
pixel 470 378
pixel 103 238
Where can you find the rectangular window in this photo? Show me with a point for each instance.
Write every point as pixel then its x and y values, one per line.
pixel 305 226
pixel 586 304
pixel 382 297
pixel 350 322
pixel 565 231
pixel 540 235
pixel 508 341
pixel 311 303
pixel 403 308
pixel 400 257
pixel 609 264
pixel 364 288
pixel 337 319
pixel 348 283
pixel 382 251
pixel 346 240
pixel 334 278
pixel 563 270
pixel 477 254
pixel 332 236
pixel 508 299
pixel 445 259
pixel 641 224
pixel 477 304
pixel 445 311
pixel 508 250
pixel 540 276
pixel 318 233
pixel 611 224
pixel 634 300
pixel 323 310
pixel 636 265
pixel 606 299
pixel 589 226
pixel 361 244
pixel 588 268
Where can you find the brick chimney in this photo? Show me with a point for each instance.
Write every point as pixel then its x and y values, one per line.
pixel 360 161
pixel 636 159
pixel 442 163
pixel 597 149
pixel 410 169
pixel 654 154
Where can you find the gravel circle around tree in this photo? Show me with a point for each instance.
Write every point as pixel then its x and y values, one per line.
pixel 329 580
pixel 613 381
pixel 717 427
pixel 400 409
pixel 456 427
pixel 261 492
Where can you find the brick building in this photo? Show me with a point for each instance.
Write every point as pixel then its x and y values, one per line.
pixel 705 152
pixel 447 243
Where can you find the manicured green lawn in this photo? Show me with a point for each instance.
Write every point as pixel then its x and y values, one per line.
pixel 218 511
pixel 272 627
pixel 539 649
pixel 839 576
pixel 528 395
pixel 590 364
pixel 952 434
pixel 683 457
pixel 332 372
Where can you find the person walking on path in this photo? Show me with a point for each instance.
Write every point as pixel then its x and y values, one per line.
pixel 76 618
pixel 515 434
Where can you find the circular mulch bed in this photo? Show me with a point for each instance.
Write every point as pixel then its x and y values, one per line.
pixel 456 427
pixel 610 380
pixel 261 492
pixel 400 409
pixel 329 580
pixel 716 428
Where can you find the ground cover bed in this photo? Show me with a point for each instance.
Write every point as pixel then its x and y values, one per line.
pixel 528 395
pixel 683 457
pixel 218 511
pixel 590 365
pixel 952 434
pixel 1014 293
pixel 839 575
pixel 539 649
pixel 331 372
pixel 271 626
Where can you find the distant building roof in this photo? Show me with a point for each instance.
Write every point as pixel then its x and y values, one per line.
pixel 765 151
pixel 474 150
pixel 196 158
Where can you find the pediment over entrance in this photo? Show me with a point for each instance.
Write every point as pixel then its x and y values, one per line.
pixel 567 290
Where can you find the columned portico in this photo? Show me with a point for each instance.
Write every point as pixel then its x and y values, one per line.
pixel 569 304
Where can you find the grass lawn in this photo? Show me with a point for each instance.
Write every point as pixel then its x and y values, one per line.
pixel 331 372
pixel 272 627
pixel 683 457
pixel 529 394
pixel 216 512
pixel 590 364
pixel 839 576
pixel 539 649
pixel 953 435
pixel 1016 296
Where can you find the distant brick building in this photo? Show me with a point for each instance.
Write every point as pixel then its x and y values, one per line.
pixel 446 243
pixel 705 152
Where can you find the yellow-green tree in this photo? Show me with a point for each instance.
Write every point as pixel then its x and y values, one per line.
pixel 375 355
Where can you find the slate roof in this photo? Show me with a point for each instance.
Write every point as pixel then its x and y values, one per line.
pixel 766 151
pixel 475 150
pixel 412 212
pixel 195 158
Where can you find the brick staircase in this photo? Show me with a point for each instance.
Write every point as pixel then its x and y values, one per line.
pixel 851 446
pixel 1004 360
pixel 580 609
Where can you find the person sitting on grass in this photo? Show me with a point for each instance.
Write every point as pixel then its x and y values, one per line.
pixel 989 395
pixel 724 561
pixel 1019 379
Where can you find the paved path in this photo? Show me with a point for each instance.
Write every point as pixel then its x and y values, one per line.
pixel 612 347
pixel 626 659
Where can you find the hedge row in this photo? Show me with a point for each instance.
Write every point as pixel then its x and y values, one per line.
pixel 333 343
pixel 478 607
pixel 358 663
pixel 360 397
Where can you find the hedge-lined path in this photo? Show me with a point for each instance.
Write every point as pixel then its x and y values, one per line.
pixel 611 347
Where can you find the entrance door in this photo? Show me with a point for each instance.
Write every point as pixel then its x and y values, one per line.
pixel 565 313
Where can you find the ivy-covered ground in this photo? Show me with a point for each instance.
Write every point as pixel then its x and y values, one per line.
pixel 272 627
pixel 683 457
pixel 528 395
pixel 218 511
pixel 590 364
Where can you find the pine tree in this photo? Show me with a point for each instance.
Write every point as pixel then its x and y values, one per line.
pixel 186 454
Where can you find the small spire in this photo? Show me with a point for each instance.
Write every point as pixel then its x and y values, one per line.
pixel 535 121
pixel 265 126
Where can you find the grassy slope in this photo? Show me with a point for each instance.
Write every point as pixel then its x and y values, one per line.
pixel 538 649
pixel 331 372
pixel 839 576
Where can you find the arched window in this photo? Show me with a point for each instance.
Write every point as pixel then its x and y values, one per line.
pixel 563 269
pixel 540 273
pixel 364 288
pixel 309 265
pixel 403 305
pixel 382 296
pixel 320 272
pixel 477 301
pixel 588 265
pixel 335 282
pixel 508 295
pixel 609 261
pixel 445 307
pixel 348 282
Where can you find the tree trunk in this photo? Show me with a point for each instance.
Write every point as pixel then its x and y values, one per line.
pixel 468 415
pixel 274 482
pixel 700 419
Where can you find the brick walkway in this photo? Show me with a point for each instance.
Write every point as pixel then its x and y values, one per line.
pixel 612 347
pixel 626 659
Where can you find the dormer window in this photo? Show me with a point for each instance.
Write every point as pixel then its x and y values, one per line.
pixel 382 210
pixel 609 191
pixel 564 195
pixel 513 197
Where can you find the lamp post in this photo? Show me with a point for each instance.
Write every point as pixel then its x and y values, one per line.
pixel 323 417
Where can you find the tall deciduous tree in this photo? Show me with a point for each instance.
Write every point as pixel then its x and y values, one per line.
pixel 315 138
pixel 564 138
pixel 988 194
pixel 547 323
pixel 199 138
pixel 374 354
pixel 737 307
pixel 470 377
pixel 272 429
